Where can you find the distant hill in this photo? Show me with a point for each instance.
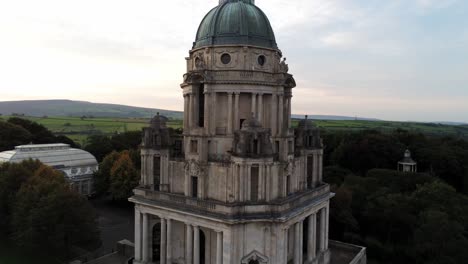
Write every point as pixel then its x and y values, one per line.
pixel 39 108
pixel 71 108
pixel 333 117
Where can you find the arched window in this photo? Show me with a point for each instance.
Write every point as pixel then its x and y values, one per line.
pixel 254 262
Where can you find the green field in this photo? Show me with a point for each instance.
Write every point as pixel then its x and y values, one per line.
pixel 79 129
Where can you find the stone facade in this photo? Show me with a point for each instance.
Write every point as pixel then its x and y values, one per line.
pixel 240 185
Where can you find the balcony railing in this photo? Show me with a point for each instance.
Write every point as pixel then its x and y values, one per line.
pixel 243 210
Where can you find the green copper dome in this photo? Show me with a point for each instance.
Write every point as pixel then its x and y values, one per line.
pixel 235 22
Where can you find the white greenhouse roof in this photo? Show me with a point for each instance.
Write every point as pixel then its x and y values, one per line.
pixel 59 156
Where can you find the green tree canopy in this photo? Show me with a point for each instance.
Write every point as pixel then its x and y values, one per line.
pixel 47 214
pixel 124 177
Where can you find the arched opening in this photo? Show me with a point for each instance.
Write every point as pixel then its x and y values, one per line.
pixel 202 247
pixel 254 262
pixel 157 243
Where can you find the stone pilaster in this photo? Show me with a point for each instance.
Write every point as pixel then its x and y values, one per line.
pixel 219 247
pixel 236 111
pixel 260 108
pixel 273 115
pixel 206 121
pixel 230 113
pixel 281 115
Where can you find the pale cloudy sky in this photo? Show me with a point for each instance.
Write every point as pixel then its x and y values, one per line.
pixel 388 59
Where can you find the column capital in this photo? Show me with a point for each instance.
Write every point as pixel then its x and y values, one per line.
pixel 237 93
pixel 230 93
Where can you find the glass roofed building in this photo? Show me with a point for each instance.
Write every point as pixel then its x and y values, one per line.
pixel 77 165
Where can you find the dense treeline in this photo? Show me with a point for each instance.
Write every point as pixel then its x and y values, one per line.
pixel 101 145
pixel 444 157
pixel 400 217
pixel 39 211
pixel 17 131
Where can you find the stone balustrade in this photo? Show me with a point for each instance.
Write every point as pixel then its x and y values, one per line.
pixel 276 209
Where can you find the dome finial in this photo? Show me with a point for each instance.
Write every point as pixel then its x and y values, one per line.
pixel 252 2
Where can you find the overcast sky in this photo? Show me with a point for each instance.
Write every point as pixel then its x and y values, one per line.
pixel 388 59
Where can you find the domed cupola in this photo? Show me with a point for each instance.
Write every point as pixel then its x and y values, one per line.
pixel 235 22
pixel 157 135
pixel 307 135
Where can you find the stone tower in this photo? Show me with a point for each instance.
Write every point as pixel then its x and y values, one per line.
pixel 240 185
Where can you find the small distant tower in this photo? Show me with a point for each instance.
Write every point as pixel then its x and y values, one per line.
pixel 407 164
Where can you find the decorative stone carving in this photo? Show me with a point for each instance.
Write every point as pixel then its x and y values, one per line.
pixel 200 62
pixel 194 168
pixel 256 257
pixel 283 66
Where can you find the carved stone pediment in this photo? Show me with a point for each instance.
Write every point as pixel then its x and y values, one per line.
pixel 255 257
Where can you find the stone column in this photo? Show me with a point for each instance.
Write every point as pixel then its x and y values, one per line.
pixel 236 111
pixel 190 110
pixel 169 242
pixel 322 230
pixel 311 238
pixel 196 246
pixel 214 108
pixel 260 108
pixel 229 125
pixel 261 182
pixel 327 225
pixel 189 244
pixel 268 182
pixel 206 121
pixel 297 243
pixel 137 235
pixel 236 183
pixel 280 115
pixel 289 111
pixel 315 171
pixel 286 245
pixel 145 238
pixel 273 114
pixel 219 247
pixel 320 167
pixel 186 111
pixel 254 106
pixel 163 241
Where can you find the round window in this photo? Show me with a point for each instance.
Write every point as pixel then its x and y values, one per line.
pixel 225 58
pixel 261 60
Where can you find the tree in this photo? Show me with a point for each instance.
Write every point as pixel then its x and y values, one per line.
pixel 12 135
pixel 39 134
pixel 12 176
pixel 48 215
pixel 102 176
pixel 99 146
pixel 123 177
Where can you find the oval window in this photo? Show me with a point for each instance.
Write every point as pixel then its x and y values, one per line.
pixel 225 58
pixel 261 60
